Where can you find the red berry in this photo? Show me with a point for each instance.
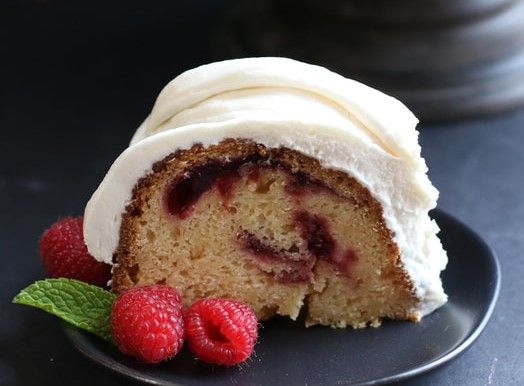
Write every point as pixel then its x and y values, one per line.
pixel 221 331
pixel 147 323
pixel 64 253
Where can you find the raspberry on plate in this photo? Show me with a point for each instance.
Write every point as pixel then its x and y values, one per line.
pixel 221 331
pixel 64 253
pixel 147 323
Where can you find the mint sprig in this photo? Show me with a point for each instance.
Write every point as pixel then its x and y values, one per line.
pixel 84 305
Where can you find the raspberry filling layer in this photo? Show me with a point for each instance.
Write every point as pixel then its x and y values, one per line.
pixel 184 192
pixel 287 266
pixel 293 265
pixel 314 229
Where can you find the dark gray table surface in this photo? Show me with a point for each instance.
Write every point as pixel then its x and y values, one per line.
pixel 76 82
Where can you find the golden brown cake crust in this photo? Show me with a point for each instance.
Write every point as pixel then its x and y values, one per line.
pixel 125 258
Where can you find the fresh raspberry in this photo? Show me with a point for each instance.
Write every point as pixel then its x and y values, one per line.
pixel 147 323
pixel 64 253
pixel 221 331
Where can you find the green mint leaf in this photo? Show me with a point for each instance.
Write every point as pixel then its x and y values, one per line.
pixel 84 305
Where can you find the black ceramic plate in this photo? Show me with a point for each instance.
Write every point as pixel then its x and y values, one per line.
pixel 287 353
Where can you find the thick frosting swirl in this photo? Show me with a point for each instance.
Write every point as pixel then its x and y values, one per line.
pixel 281 102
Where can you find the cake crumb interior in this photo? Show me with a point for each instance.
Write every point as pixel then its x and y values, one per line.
pixel 316 238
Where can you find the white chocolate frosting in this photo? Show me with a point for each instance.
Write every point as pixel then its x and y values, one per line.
pixel 280 102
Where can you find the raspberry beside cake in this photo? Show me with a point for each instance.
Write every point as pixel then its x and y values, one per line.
pixel 276 183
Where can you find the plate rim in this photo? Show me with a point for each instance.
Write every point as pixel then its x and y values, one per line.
pixel 466 343
pixel 73 333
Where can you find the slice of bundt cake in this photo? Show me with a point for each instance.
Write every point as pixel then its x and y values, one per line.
pixel 279 184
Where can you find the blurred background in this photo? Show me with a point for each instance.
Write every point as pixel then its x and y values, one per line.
pixel 78 77
pixel 444 59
